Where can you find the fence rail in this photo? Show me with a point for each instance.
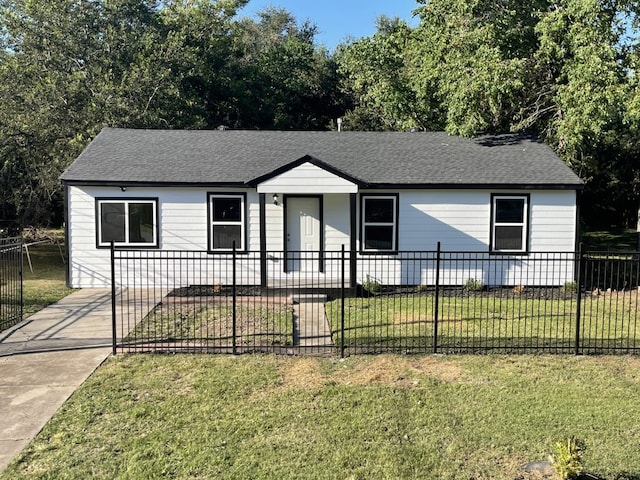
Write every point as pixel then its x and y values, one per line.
pixel 343 303
pixel 11 299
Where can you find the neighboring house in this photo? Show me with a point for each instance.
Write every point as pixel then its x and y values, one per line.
pixel 376 193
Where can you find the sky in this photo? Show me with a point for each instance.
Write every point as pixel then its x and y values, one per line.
pixel 338 20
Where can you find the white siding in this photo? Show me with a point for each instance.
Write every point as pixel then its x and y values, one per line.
pixel 460 220
pixel 307 178
pixel 553 221
pixel 183 226
pixel 274 220
pixel 336 219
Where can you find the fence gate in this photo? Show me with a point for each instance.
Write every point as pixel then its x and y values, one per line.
pixel 11 299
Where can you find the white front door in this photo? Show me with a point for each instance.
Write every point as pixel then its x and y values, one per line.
pixel 303 234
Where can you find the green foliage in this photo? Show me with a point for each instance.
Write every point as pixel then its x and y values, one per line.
pixel 69 68
pixel 473 285
pixel 570 287
pixel 567 458
pixel 371 285
pixel 566 71
pixel 376 72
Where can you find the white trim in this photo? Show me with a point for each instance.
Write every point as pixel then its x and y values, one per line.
pixel 524 224
pixel 393 224
pixel 240 222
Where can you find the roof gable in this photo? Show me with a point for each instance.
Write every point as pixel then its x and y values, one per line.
pixel 299 175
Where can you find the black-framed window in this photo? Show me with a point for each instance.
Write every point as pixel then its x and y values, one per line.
pixel 227 218
pixel 127 222
pixel 509 223
pixel 379 217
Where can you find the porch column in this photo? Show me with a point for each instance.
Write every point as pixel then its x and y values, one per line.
pixel 263 241
pixel 352 237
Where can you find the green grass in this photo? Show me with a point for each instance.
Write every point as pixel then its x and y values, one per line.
pixel 395 417
pixel 610 240
pixel 46 284
pixel 484 321
pixel 208 322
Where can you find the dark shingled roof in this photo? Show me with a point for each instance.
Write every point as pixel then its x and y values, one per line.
pixel 236 157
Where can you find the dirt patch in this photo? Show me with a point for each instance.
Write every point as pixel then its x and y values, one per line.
pixel 300 373
pixel 406 319
pixel 406 372
pixel 438 368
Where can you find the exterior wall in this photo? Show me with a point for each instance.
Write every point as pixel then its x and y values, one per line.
pixel 460 220
pixel 182 226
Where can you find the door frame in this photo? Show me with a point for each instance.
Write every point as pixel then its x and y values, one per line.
pixel 285 230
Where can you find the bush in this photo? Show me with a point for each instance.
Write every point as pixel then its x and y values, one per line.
pixel 473 285
pixel 570 287
pixel 567 458
pixel 371 285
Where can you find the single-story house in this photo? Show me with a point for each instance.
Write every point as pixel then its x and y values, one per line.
pixel 377 193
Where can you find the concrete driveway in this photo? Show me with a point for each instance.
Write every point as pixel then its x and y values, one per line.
pixel 44 359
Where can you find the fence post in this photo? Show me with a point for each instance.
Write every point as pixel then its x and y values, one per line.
pixel 579 299
pixel 436 302
pixel 342 269
pixel 113 298
pixel 21 276
pixel 233 299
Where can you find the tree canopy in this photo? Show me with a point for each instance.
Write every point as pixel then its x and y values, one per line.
pixel 71 67
pixel 565 70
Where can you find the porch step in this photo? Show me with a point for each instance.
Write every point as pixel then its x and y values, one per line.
pixel 309 298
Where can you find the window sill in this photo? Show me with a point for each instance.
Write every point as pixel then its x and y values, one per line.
pixel 130 246
pixel 227 252
pixel 378 252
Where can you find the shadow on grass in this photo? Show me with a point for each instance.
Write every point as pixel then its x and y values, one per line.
pixel 614 240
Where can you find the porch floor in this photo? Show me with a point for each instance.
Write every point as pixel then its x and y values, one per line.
pixel 307 283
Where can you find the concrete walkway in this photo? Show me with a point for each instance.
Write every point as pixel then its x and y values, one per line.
pixel 311 328
pixel 44 359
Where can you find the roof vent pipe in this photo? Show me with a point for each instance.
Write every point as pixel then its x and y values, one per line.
pixel 339 122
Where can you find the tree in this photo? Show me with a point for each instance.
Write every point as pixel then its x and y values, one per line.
pixel 377 74
pixel 565 70
pixel 71 67
pixel 286 81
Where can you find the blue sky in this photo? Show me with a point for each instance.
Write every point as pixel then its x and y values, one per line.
pixel 339 19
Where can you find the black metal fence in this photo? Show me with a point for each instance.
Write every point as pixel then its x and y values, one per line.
pixel 343 303
pixel 11 299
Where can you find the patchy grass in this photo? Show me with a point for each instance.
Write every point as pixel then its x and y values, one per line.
pixel 47 283
pixel 208 322
pixel 186 417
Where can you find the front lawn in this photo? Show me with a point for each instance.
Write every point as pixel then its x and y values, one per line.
pixel 488 320
pixel 396 417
